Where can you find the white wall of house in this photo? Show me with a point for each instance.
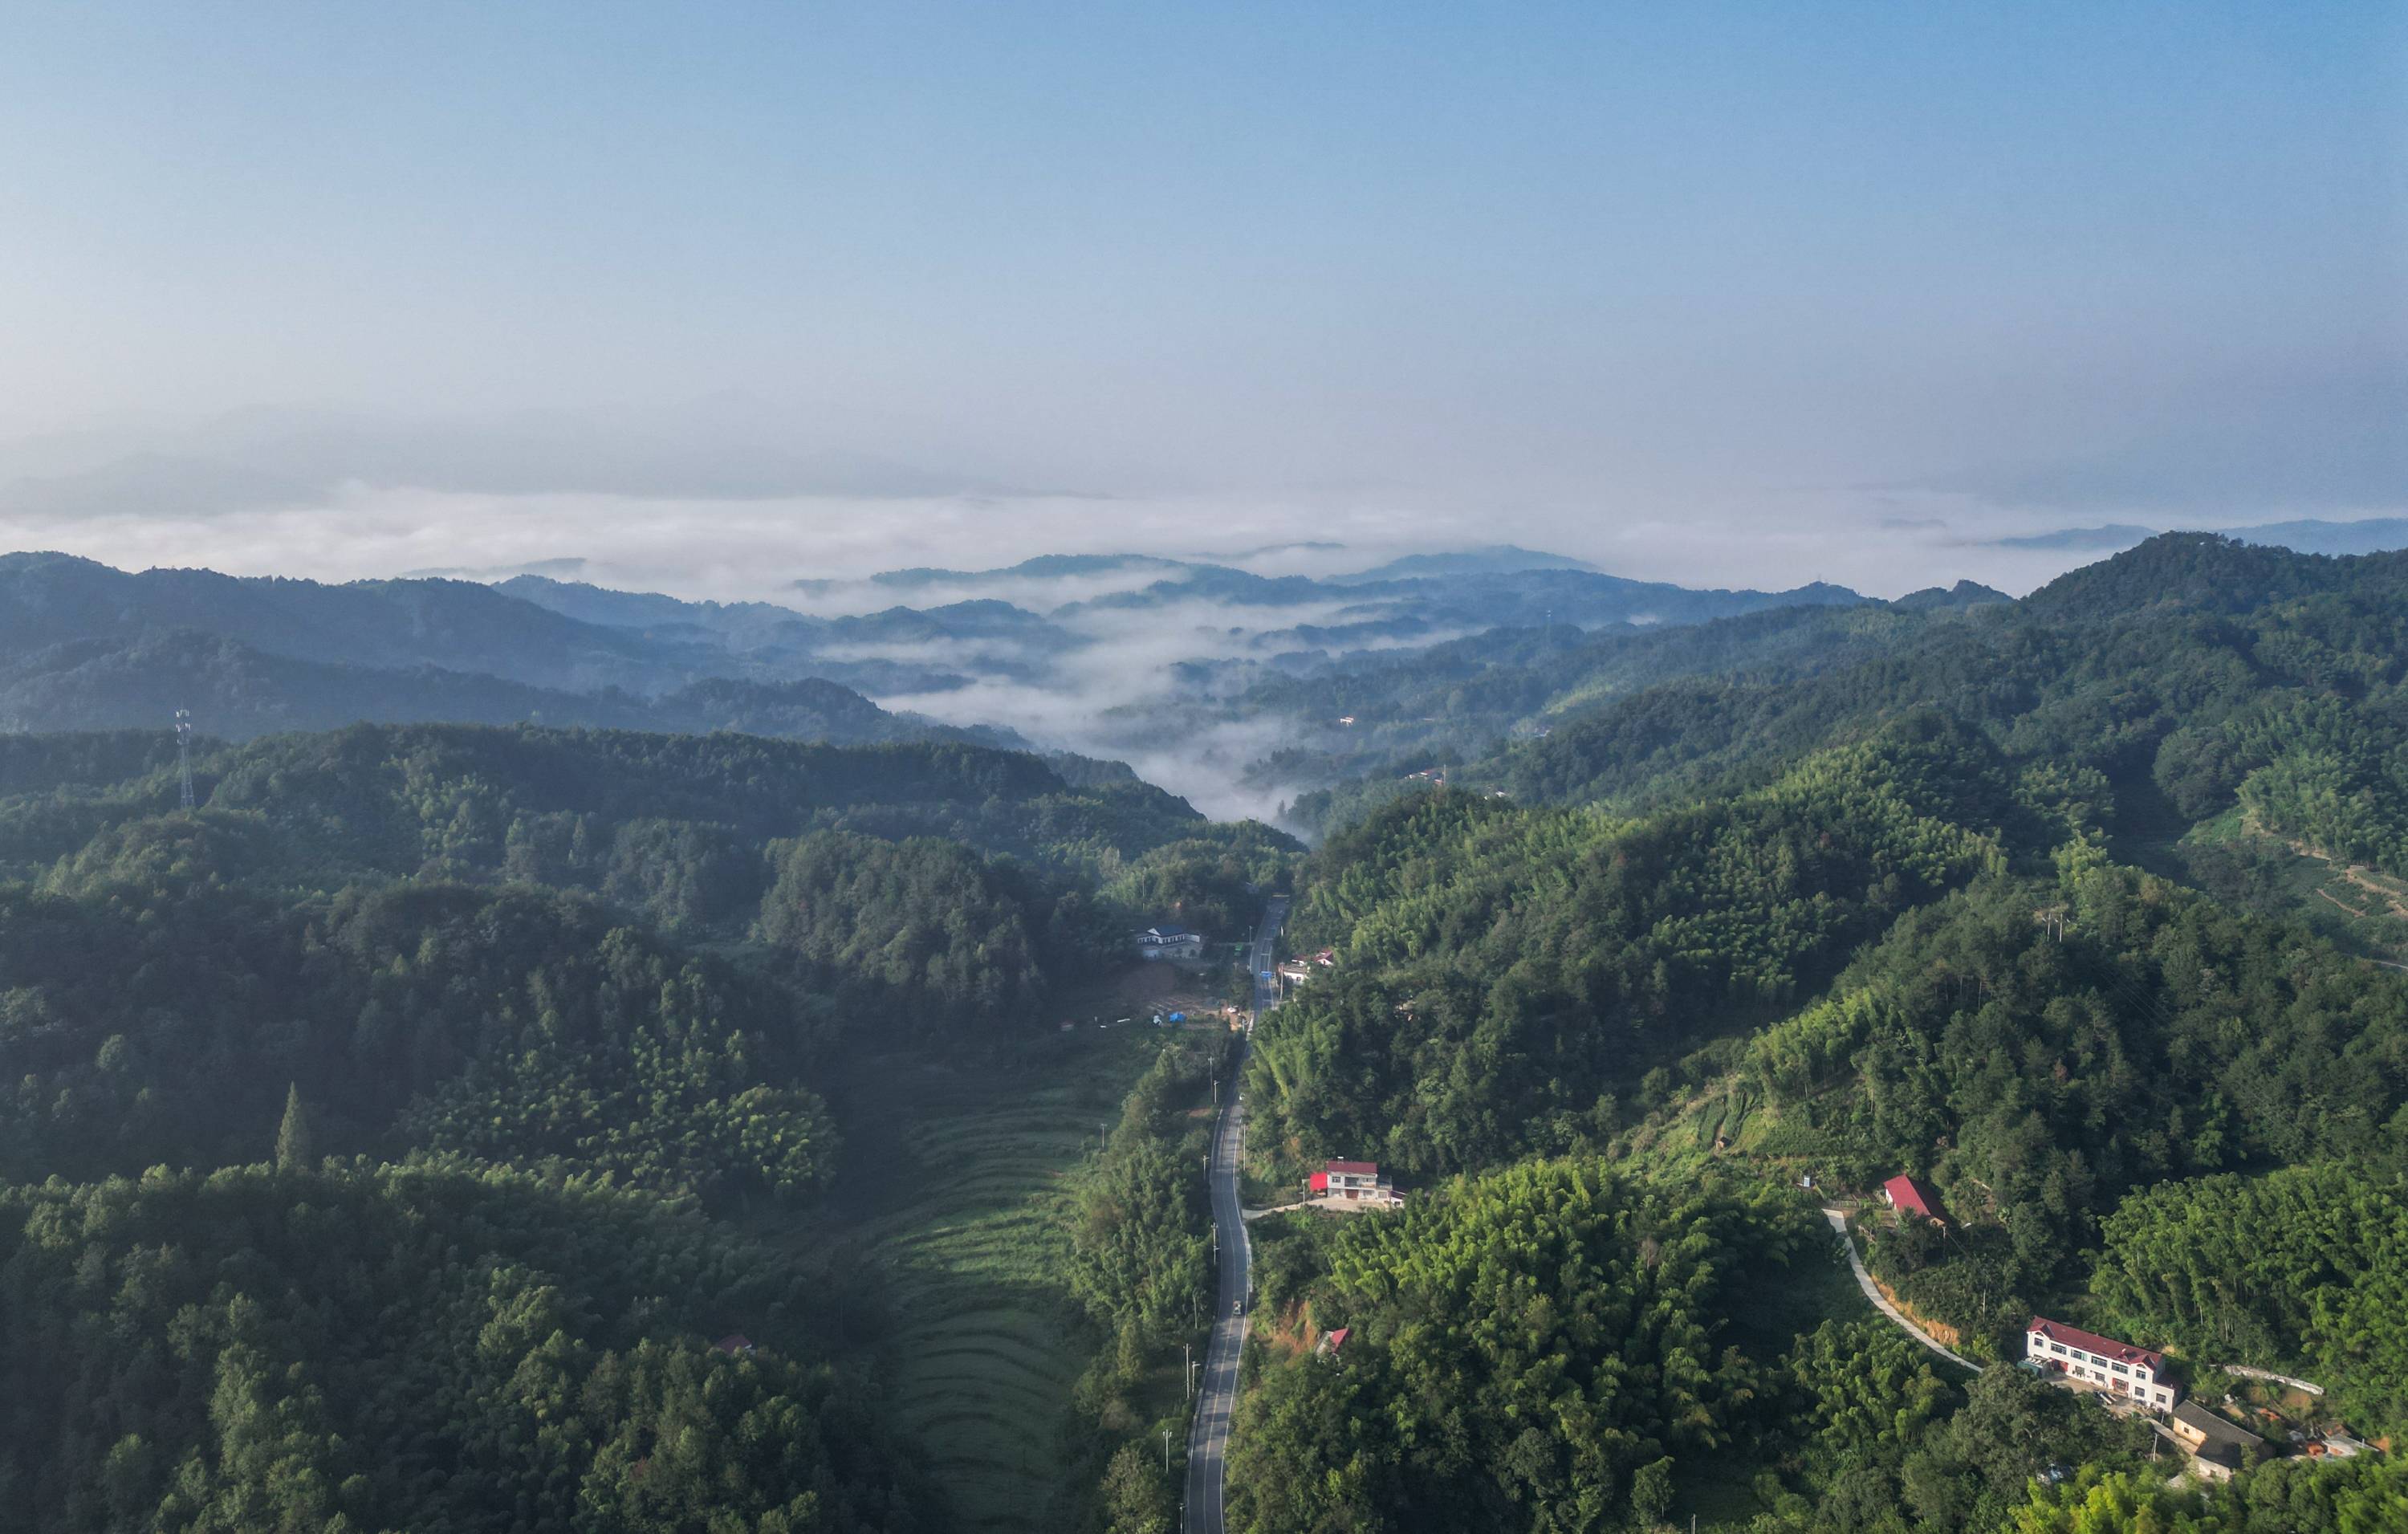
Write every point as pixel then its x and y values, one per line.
pixel 2113 1375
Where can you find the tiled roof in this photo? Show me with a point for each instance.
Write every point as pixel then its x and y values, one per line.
pixel 2216 1430
pixel 1914 1192
pixel 1366 1169
pixel 2091 1342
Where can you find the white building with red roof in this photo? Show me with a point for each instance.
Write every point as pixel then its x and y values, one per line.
pixel 1356 1182
pixel 2101 1363
pixel 1913 1195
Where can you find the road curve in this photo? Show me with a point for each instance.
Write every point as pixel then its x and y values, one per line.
pixel 1208 1440
pixel 1865 1281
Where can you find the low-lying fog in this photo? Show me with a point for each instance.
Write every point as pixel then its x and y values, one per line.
pixel 818 555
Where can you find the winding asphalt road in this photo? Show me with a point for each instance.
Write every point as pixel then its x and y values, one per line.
pixel 1865 1281
pixel 1208 1441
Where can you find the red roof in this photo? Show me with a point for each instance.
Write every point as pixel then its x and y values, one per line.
pixel 1915 1195
pixel 1361 1169
pixel 734 1342
pixel 1320 1182
pixel 1336 1338
pixel 2090 1341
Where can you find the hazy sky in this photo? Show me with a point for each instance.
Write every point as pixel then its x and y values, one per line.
pixel 1549 270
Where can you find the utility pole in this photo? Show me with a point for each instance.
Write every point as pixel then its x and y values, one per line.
pixel 1188 1350
pixel 1166 1451
pixel 184 752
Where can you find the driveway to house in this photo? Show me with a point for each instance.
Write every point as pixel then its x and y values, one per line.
pixel 1208 1440
pixel 1865 1281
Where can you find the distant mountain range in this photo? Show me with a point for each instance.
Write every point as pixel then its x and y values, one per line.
pixel 87 646
pixel 2308 535
pixel 1181 667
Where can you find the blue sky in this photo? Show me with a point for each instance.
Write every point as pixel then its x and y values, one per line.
pixel 1543 263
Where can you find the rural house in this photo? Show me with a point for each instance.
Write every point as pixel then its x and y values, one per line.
pixel 2101 1363
pixel 1354 1180
pixel 1169 943
pixel 1913 1195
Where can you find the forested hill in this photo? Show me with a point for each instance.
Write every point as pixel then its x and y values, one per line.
pixel 2242 707
pixel 553 805
pixel 408 921
pixel 47 599
pixel 347 1349
pixel 377 1133
pixel 240 692
pixel 2039 902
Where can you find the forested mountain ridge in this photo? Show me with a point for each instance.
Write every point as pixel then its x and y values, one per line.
pixel 2241 706
pixel 1845 892
pixel 147 1028
pixel 456 625
pixel 1509 974
pixel 100 684
pixel 530 990
pixel 1847 897
pixel 464 939
pixel 559 806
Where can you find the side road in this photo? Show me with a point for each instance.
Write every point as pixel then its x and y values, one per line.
pixel 1865 1282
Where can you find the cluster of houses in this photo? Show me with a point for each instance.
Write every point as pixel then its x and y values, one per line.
pixel 2083 1360
pixel 2123 1372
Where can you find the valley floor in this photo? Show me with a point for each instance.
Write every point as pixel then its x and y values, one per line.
pixel 951 1200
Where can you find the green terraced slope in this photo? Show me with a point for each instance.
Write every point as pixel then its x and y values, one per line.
pixel 954 1193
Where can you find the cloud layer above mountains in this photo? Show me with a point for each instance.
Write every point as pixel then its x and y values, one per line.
pixel 721 511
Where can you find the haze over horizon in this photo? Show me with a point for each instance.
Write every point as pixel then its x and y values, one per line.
pixel 1732 299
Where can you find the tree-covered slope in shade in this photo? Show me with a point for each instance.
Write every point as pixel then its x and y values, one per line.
pixel 418 1350
pixel 236 692
pixel 591 809
pixel 518 1027
pixel 459 626
pixel 2175 668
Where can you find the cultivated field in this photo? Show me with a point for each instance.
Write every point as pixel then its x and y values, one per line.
pixel 952 1191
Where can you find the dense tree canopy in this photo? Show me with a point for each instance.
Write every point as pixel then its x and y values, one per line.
pixel 1505 971
pixel 1520 1353
pixel 2302 1268
pixel 419 1350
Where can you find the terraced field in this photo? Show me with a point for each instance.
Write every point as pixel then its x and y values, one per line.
pixel 951 1194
